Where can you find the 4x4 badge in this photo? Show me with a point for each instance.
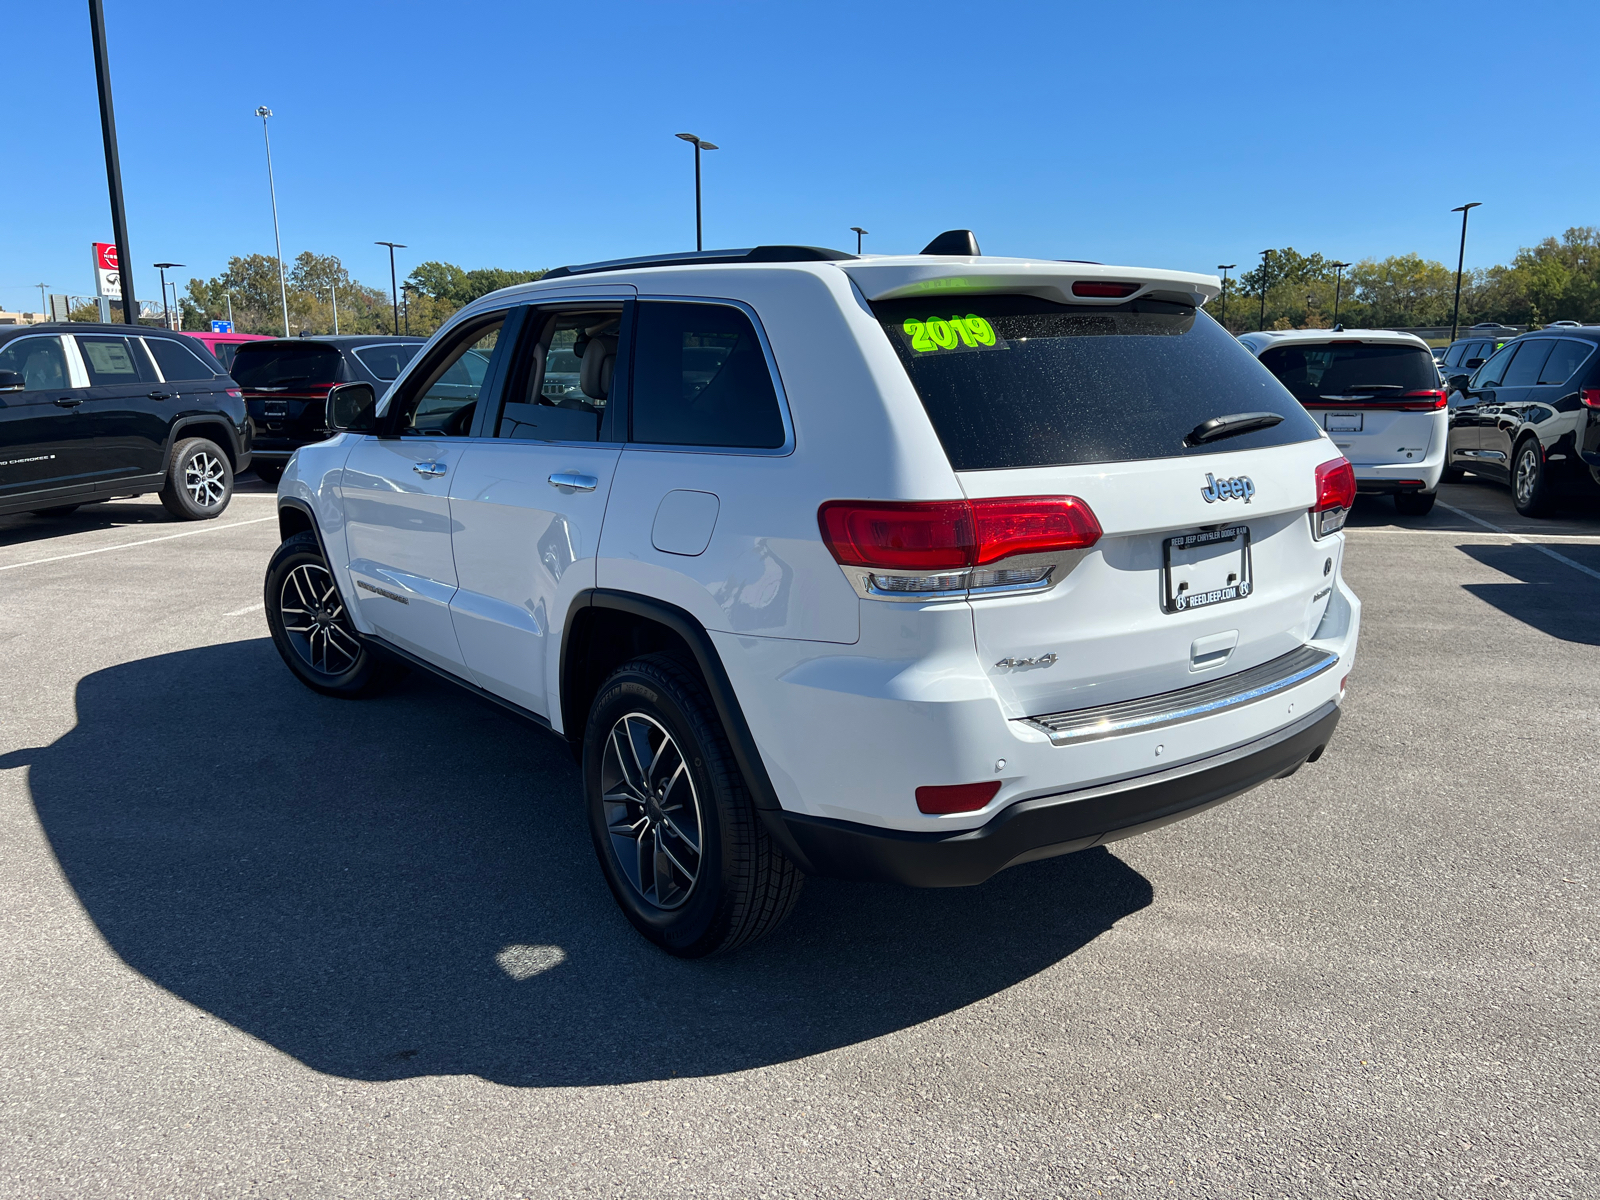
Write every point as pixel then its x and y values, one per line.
pixel 1238 488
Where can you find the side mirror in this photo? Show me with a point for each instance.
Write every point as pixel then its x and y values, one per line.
pixel 351 406
pixel 12 381
pixel 1458 383
pixel 1473 362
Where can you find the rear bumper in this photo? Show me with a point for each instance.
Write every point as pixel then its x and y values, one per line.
pixel 1047 826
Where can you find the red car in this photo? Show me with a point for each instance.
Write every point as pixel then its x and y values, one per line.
pixel 226 345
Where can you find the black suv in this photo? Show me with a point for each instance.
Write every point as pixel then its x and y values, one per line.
pixel 97 412
pixel 1528 417
pixel 286 384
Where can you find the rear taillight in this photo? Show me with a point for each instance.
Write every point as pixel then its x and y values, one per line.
pixel 931 547
pixel 1591 397
pixel 236 393
pixel 1095 287
pixel 1424 401
pixel 1336 492
pixel 956 798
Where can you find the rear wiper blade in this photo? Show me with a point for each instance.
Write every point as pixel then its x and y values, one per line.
pixel 1229 426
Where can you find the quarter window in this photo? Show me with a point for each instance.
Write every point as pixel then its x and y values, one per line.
pixel 115 360
pixel 700 378
pixel 39 360
pixel 177 361
pixel 1567 356
pixel 1524 369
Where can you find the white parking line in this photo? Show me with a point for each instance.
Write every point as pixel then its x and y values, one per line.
pixel 34 562
pixel 258 606
pixel 1565 539
pixel 1518 538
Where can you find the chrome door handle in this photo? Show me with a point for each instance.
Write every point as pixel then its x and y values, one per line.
pixel 571 479
pixel 430 470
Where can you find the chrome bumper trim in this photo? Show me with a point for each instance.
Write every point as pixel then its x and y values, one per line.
pixel 1185 704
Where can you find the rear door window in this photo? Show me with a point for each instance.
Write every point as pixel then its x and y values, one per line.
pixel 1320 373
pixel 265 367
pixel 1017 381
pixel 1524 369
pixel 700 378
pixel 115 360
pixel 1564 360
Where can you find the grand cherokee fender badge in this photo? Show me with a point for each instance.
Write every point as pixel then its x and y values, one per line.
pixel 1239 487
pixel 362 583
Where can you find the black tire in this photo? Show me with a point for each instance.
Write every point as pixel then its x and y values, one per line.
pixel 268 472
pixel 1530 485
pixel 1414 504
pixel 59 510
pixel 742 886
pixel 311 628
pixel 199 481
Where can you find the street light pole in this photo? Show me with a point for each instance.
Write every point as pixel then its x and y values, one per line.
pixel 394 286
pixel 230 310
pixel 44 305
pixel 272 189
pixel 166 313
pixel 1461 258
pixel 1225 268
pixel 333 292
pixel 1261 321
pixel 699 145
pixel 1338 281
pixel 108 131
pixel 860 233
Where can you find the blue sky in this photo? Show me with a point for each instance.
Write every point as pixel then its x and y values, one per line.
pixel 532 134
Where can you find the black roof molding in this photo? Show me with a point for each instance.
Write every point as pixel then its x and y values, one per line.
pixel 954 241
pixel 699 258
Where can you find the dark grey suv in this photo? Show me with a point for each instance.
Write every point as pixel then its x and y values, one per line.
pixel 96 412
pixel 286 384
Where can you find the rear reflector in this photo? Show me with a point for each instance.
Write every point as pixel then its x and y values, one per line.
pixel 1095 287
pixel 1336 492
pixel 1591 397
pixel 952 535
pixel 956 798
pixel 1425 401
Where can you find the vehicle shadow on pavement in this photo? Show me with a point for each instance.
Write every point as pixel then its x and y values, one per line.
pixel 20 528
pixel 405 886
pixel 1544 598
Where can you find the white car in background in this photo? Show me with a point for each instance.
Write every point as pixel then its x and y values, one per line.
pixel 902 568
pixel 1377 394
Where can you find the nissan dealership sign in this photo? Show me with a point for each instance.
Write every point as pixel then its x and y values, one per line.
pixel 107 277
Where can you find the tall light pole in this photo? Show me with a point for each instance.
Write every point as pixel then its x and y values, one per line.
pixel 44 305
pixel 333 293
pixel 860 233
pixel 108 132
pixel 1261 321
pixel 1338 281
pixel 1225 268
pixel 409 290
pixel 699 145
pixel 394 287
pixel 272 189
pixel 166 313
pixel 1455 313
pixel 230 310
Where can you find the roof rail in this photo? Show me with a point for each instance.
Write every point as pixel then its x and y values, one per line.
pixel 757 254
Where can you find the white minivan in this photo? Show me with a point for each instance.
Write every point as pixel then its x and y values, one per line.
pixel 905 568
pixel 1377 394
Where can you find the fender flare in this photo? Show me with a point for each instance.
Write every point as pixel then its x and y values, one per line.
pixel 175 435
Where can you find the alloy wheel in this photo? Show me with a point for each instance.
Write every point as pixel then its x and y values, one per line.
pixel 1527 474
pixel 316 622
pixel 205 479
pixel 652 811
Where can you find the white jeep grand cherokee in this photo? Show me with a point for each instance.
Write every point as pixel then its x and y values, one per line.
pixel 903 568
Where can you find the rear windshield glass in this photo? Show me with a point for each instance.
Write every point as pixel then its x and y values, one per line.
pixel 1341 370
pixel 386 361
pixel 262 366
pixel 1016 381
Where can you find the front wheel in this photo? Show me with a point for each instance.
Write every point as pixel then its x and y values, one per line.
pixel 199 481
pixel 311 627
pixel 674 828
pixel 1414 504
pixel 1530 489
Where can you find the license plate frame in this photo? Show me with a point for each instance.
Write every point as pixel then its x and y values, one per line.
pixel 1178 597
pixel 276 408
pixel 1343 422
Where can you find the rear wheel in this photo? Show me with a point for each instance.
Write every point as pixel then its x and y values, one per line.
pixel 268 472
pixel 674 828
pixel 311 627
pixel 199 481
pixel 1530 489
pixel 1414 504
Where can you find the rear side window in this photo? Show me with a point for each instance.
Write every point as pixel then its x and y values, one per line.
pixel 1016 381
pixel 1317 373
pixel 265 366
pixel 1564 360
pixel 177 361
pixel 39 360
pixel 700 379
pixel 386 362
pixel 1524 369
pixel 115 360
pixel 225 352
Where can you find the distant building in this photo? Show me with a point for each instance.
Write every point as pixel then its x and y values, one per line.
pixel 22 318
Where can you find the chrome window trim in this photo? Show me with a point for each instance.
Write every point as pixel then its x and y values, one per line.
pixel 782 451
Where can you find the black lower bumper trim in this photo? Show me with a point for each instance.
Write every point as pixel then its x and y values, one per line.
pixel 1052 825
pixel 1385 487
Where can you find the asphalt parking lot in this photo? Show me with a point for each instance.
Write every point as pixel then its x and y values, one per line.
pixel 256 942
